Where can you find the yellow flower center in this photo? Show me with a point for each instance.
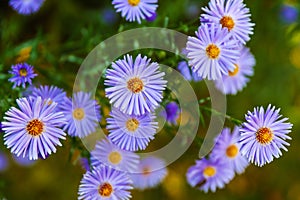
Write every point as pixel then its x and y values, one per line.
pixel 227 22
pixel 133 2
pixel 146 171
pixel 209 171
pixel 23 72
pixel 78 113
pixel 105 190
pixel 212 51
pixel 115 157
pixel 235 71
pixel 135 85
pixel 264 135
pixel 232 151
pixel 132 124
pixel 35 127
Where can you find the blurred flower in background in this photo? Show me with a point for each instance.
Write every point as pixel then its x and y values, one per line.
pixel 289 13
pixel 4 164
pixel 25 162
pixel 171 112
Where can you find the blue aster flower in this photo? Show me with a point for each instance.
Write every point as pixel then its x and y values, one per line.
pixel 135 10
pixel 187 73
pixel 171 112
pixel 237 79
pixel 135 87
pixel 105 183
pixel 131 132
pixel 232 15
pixel 26 7
pixel 264 134
pixel 212 53
pixel 151 172
pixel 208 175
pixel 22 74
pixel 227 149
pixel 82 114
pixel 289 13
pixel 54 93
pixel 32 129
pixel 109 154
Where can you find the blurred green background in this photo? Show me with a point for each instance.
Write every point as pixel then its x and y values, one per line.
pixel 57 39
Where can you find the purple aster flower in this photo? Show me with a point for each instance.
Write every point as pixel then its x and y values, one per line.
pixel 109 154
pixel 289 13
pixel 3 162
pixel 232 15
pixel 212 53
pixel 131 132
pixel 105 183
pixel 237 79
pixel 171 112
pixel 22 74
pixel 32 130
pixel 187 73
pixel 50 92
pixel 85 163
pixel 151 172
pixel 135 10
pixel 209 175
pixel 25 162
pixel 82 114
pixel 135 87
pixel 263 135
pixel 26 7
pixel 227 149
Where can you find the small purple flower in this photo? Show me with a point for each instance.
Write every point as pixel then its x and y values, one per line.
pixel 4 164
pixel 85 163
pixel 212 53
pixel 171 112
pixel 151 171
pixel 22 74
pixel 209 175
pixel 105 183
pixel 135 10
pixel 26 7
pixel 227 149
pixel 135 87
pixel 82 114
pixel 152 17
pixel 263 135
pixel 187 73
pixel 32 129
pixel 109 154
pixel 289 13
pixel 131 132
pixel 232 15
pixel 53 93
pixel 237 79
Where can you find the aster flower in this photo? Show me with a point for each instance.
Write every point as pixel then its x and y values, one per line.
pixel 22 74
pixel 232 15
pixel 49 92
pixel 263 135
pixel 237 79
pixel 84 162
pixel 26 7
pixel 135 10
pixel 171 112
pixel 131 132
pixel 227 149
pixel 82 114
pixel 289 13
pixel 151 171
pixel 186 72
pixel 134 87
pixel 105 183
pixel 109 154
pixel 32 129
pixel 212 53
pixel 209 175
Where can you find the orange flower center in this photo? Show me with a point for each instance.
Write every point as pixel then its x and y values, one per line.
pixel 78 113
pixel 133 2
pixel 209 171
pixel 235 71
pixel 212 51
pixel 35 127
pixel 146 171
pixel 132 124
pixel 135 85
pixel 232 151
pixel 227 22
pixel 23 72
pixel 105 190
pixel 115 157
pixel 264 135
